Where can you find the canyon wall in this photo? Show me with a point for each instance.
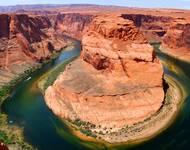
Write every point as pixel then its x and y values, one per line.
pixel 28 39
pixel 33 36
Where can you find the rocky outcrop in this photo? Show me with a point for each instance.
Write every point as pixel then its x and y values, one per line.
pixel 111 85
pixel 170 29
pixel 35 35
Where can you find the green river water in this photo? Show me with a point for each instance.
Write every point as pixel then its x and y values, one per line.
pixel 43 130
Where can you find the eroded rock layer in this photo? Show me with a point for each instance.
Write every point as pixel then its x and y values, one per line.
pixel 116 82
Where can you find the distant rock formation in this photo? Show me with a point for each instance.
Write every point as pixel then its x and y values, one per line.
pixel 153 27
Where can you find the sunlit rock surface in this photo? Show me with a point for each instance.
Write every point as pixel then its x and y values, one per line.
pixel 116 82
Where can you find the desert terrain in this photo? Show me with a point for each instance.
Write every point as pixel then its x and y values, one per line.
pixel 117 82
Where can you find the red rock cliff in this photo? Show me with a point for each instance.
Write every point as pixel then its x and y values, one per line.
pixel 34 35
pixel 25 40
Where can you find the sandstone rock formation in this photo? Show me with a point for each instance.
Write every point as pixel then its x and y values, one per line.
pixel 108 40
pixel 116 82
pixel 34 36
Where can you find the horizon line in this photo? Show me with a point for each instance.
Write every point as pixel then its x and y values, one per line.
pixel 174 8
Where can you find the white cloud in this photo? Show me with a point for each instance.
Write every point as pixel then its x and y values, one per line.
pixel 23 1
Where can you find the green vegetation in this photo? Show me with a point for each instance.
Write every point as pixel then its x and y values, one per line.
pixel 12 135
pixel 6 89
pixel 85 127
pixel 9 134
pixel 88 133
pixel 52 75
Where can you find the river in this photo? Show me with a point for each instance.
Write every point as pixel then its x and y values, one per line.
pixel 43 130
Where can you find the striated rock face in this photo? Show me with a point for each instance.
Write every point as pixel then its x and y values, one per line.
pixel 73 24
pixel 34 35
pixel 172 30
pixel 25 40
pixel 116 82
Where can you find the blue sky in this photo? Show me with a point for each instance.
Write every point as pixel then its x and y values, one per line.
pixel 182 4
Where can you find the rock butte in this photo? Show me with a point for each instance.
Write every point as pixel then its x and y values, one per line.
pixel 117 81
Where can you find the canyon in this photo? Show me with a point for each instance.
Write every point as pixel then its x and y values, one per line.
pixel 117 83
